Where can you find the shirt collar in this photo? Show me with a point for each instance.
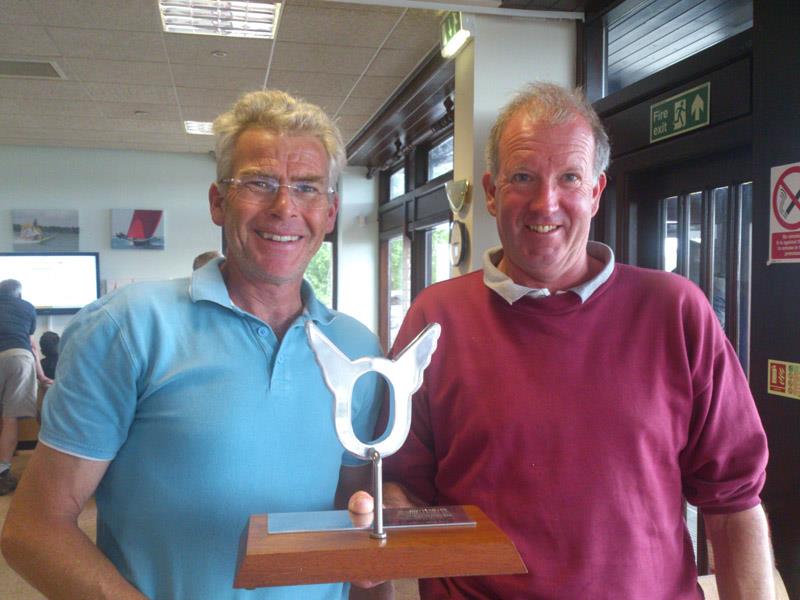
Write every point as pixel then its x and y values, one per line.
pixel 207 284
pixel 510 291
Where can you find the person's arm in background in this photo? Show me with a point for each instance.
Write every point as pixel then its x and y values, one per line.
pixel 41 539
pixel 743 560
pixel 37 355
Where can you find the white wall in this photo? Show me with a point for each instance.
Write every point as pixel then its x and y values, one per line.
pixel 94 182
pixel 357 293
pixel 505 54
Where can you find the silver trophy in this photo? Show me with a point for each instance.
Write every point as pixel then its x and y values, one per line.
pixel 325 546
pixel 404 374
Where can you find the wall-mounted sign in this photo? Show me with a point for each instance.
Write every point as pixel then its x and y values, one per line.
pixel 784 214
pixel 681 113
pixel 784 378
pixel 455 33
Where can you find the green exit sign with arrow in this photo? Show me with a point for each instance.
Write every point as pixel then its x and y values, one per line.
pixel 681 113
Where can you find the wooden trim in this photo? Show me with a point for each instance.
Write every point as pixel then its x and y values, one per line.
pixel 408 115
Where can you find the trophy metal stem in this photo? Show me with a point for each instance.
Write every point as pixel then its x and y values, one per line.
pixel 378 531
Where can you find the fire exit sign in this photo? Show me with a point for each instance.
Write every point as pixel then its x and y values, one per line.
pixel 681 113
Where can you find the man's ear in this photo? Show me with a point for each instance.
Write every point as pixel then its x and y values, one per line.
pixel 597 191
pixel 333 209
pixel 216 204
pixel 490 188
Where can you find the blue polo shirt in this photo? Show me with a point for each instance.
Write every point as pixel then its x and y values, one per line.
pixel 206 418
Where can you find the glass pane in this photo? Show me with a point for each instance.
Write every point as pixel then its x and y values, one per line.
pixel 399 284
pixel 319 273
pixel 695 235
pixel 720 276
pixel 437 241
pixel 745 258
pixel 440 158
pixel 670 234
pixel 690 516
pixel 397 183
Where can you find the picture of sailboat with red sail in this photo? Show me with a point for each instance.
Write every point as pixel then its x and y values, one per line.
pixel 137 228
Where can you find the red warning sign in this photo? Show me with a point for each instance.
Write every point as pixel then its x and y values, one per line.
pixel 785 214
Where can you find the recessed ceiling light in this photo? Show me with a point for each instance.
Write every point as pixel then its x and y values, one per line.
pixel 219 54
pixel 198 127
pixel 140 113
pixel 219 17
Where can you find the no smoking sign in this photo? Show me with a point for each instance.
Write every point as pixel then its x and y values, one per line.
pixel 784 227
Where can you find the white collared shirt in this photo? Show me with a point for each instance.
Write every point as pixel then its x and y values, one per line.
pixel 510 291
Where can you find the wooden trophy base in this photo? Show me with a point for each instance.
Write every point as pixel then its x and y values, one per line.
pixel 329 556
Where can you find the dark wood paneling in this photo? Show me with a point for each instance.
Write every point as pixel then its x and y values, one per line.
pixel 726 52
pixel 776 288
pixel 408 116
pixel 393 217
pixel 629 129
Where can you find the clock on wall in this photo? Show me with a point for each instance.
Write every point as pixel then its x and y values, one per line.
pixel 458 239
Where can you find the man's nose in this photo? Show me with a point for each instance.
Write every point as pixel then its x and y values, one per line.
pixel 283 204
pixel 544 198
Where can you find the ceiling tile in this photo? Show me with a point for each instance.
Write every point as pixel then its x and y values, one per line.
pixel 197 49
pixel 119 92
pixel 217 98
pixel 39 88
pixel 335 26
pixel 117 71
pixel 320 58
pixel 390 62
pixel 217 77
pixel 377 87
pixel 103 44
pixel 419 28
pixel 25 40
pixel 125 110
pixel 359 105
pixel 350 123
pixel 128 15
pixel 296 82
pixel 18 12
pixel 46 106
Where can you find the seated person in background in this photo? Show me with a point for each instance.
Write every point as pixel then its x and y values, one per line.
pixel 205 257
pixel 186 406
pixel 48 345
pixel 576 400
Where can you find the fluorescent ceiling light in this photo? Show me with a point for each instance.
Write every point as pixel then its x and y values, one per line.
pixel 198 127
pixel 219 17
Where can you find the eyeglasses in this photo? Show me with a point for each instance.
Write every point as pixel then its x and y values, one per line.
pixel 305 194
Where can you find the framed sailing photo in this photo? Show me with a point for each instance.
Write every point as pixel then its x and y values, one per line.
pixel 137 229
pixel 45 230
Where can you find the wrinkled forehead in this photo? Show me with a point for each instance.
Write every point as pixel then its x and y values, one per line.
pixel 527 136
pixel 257 148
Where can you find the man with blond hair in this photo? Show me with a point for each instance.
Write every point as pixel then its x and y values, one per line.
pixel 185 406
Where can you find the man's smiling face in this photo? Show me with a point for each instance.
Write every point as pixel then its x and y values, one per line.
pixel 273 241
pixel 543 198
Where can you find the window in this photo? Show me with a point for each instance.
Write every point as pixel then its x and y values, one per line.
pixel 437 247
pixel 399 269
pixel 706 236
pixel 414 230
pixel 397 183
pixel 319 273
pixel 440 158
